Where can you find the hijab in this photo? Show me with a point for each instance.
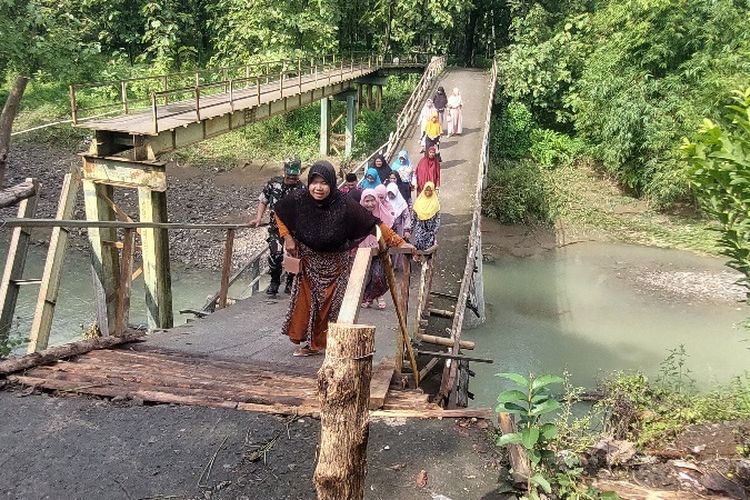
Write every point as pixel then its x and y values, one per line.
pixel 426 112
pixel 440 99
pixel 426 207
pixel 382 193
pixel 403 169
pixel 382 211
pixel 397 202
pixel 403 186
pixel 334 224
pixel 432 127
pixel 384 170
pixel 428 170
pixel 366 184
pixel 455 98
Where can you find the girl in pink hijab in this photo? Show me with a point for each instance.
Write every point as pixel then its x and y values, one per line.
pixel 377 283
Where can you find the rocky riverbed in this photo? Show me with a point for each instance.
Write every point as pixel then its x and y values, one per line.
pixel 196 194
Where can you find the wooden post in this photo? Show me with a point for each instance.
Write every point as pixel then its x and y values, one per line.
pixel 122 313
pixel 154 114
pixel 257 89
pixel 198 103
pixel 299 74
pixel 344 391
pixel 325 126
pixel 41 325
pixel 226 269
pixel 73 105
pixel 351 122
pixel 231 95
pixel 14 265
pixel 404 306
pixel 105 263
pixel 378 97
pixel 155 248
pixel 165 87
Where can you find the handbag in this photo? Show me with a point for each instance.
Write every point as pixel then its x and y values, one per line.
pixel 291 265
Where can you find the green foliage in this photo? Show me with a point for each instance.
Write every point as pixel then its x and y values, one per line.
pixel 517 192
pixel 629 77
pixel 511 132
pixel 719 172
pixel 551 149
pixel 651 413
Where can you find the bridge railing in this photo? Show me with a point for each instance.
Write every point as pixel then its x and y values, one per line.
pixel 129 95
pixel 450 371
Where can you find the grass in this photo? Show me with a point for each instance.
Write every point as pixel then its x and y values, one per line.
pixel 589 204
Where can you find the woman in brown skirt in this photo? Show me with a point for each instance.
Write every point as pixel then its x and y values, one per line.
pixel 321 226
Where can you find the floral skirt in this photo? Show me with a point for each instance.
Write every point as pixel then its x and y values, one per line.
pixel 377 283
pixel 317 294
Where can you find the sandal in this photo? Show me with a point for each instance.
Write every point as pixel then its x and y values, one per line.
pixel 381 303
pixel 366 304
pixel 304 352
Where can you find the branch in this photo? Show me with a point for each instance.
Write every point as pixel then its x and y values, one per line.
pixel 21 191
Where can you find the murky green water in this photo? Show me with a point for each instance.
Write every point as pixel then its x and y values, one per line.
pixel 590 308
pixel 75 310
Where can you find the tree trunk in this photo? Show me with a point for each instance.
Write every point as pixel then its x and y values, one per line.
pixel 6 121
pixel 25 189
pixel 344 391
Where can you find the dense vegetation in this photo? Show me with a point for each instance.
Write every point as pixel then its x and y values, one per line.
pixel 626 80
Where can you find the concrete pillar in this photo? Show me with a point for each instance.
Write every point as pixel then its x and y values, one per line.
pixel 325 126
pixel 369 97
pixel 378 97
pixel 351 121
pixel 155 249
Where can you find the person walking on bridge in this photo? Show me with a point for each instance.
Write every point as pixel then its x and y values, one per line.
pixel 428 170
pixel 273 192
pixel 432 133
pixel 321 226
pixel 455 113
pixel 427 218
pixel 440 100
pixel 377 283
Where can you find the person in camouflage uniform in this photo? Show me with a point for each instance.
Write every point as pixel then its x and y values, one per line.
pixel 275 190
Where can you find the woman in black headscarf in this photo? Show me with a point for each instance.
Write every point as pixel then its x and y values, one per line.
pixel 440 101
pixel 321 226
pixel 384 170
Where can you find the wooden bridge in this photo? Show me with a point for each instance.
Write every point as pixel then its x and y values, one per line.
pixel 235 357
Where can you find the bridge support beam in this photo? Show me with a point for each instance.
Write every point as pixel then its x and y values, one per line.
pixel 478 314
pixel 325 126
pixel 378 97
pixel 155 248
pixel 351 121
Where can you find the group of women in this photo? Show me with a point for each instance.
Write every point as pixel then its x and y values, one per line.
pixel 324 225
pixel 439 114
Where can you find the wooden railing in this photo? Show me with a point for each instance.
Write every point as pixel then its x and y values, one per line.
pixel 450 370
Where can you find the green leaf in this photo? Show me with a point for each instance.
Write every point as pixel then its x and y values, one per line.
pixel 549 431
pixel 546 407
pixel 545 380
pixel 515 377
pixel 542 482
pixel 506 439
pixel 512 395
pixel 529 437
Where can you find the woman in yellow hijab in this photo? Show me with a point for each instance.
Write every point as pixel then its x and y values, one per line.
pixel 427 218
pixel 432 132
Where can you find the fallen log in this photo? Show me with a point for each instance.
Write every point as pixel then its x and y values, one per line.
pixel 71 349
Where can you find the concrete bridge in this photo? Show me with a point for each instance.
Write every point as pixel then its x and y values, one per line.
pixel 235 357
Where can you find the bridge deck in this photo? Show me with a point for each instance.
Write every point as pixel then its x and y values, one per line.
pixel 184 112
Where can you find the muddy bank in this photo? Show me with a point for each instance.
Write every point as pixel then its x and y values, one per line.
pixel 84 448
pixel 196 194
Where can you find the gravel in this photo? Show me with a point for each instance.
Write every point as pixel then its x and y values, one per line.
pixel 205 195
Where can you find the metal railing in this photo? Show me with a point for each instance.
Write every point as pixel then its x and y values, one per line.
pixel 152 92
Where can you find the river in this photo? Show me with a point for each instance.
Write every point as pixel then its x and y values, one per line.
pixel 592 308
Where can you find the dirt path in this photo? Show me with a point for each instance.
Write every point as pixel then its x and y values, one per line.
pixel 87 448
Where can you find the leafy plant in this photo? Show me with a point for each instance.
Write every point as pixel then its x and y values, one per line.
pixel 530 403
pixel 719 171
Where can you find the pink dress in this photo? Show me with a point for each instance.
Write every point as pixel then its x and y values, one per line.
pixel 455 121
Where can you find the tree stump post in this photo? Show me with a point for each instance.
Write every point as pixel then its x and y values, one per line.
pixel 344 391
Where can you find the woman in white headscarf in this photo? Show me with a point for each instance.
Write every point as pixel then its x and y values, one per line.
pixel 455 109
pixel 402 219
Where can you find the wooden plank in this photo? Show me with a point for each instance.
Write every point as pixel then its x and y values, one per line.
pixel 125 173
pixel 56 353
pixel 444 341
pixel 105 261
pixel 41 325
pixel 123 291
pixel 519 460
pixel 155 250
pixel 15 262
pixel 483 413
pixel 355 288
pixel 380 383
pixel 405 290
pixel 226 268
